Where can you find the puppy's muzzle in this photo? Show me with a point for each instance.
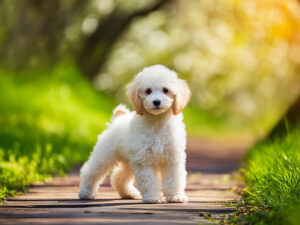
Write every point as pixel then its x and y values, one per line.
pixel 156 103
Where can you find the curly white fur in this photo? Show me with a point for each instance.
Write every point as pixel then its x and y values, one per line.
pixel 145 145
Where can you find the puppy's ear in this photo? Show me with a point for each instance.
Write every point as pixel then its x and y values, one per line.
pixel 182 96
pixel 132 94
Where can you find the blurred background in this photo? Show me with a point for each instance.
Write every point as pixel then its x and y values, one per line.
pixel 64 66
pixel 241 58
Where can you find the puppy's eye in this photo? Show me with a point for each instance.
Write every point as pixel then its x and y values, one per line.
pixel 165 90
pixel 148 91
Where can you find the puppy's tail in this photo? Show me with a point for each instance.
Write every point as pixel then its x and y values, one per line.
pixel 119 110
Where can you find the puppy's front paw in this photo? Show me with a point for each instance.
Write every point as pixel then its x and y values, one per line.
pixel 87 195
pixel 152 200
pixel 177 198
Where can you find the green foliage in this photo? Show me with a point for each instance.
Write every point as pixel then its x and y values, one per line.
pixel 273 174
pixel 48 123
pixel 207 216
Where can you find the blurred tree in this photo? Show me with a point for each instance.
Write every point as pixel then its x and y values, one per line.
pixel 32 32
pixel 37 33
pixel 239 57
pixel 96 47
pixel 289 121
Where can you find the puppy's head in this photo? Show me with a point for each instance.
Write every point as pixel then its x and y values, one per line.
pixel 156 90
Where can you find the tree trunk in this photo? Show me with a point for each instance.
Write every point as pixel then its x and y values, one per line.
pixel 289 121
pixel 35 30
pixel 95 49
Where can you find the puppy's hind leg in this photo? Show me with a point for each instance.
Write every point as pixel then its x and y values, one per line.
pixel 122 180
pixel 94 171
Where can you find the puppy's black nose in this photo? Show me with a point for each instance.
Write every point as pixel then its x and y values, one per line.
pixel 156 102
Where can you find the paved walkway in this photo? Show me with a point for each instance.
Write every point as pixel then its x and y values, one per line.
pixel 210 186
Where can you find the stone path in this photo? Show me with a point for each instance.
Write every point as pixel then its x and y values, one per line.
pixel 210 187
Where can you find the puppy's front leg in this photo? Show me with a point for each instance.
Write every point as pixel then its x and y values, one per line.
pixel 148 183
pixel 174 182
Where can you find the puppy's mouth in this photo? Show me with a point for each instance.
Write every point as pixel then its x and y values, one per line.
pixel 156 107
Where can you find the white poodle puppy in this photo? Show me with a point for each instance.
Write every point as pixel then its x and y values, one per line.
pixel 144 145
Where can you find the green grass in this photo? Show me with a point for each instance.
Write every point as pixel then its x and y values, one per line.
pixel 273 176
pixel 48 124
